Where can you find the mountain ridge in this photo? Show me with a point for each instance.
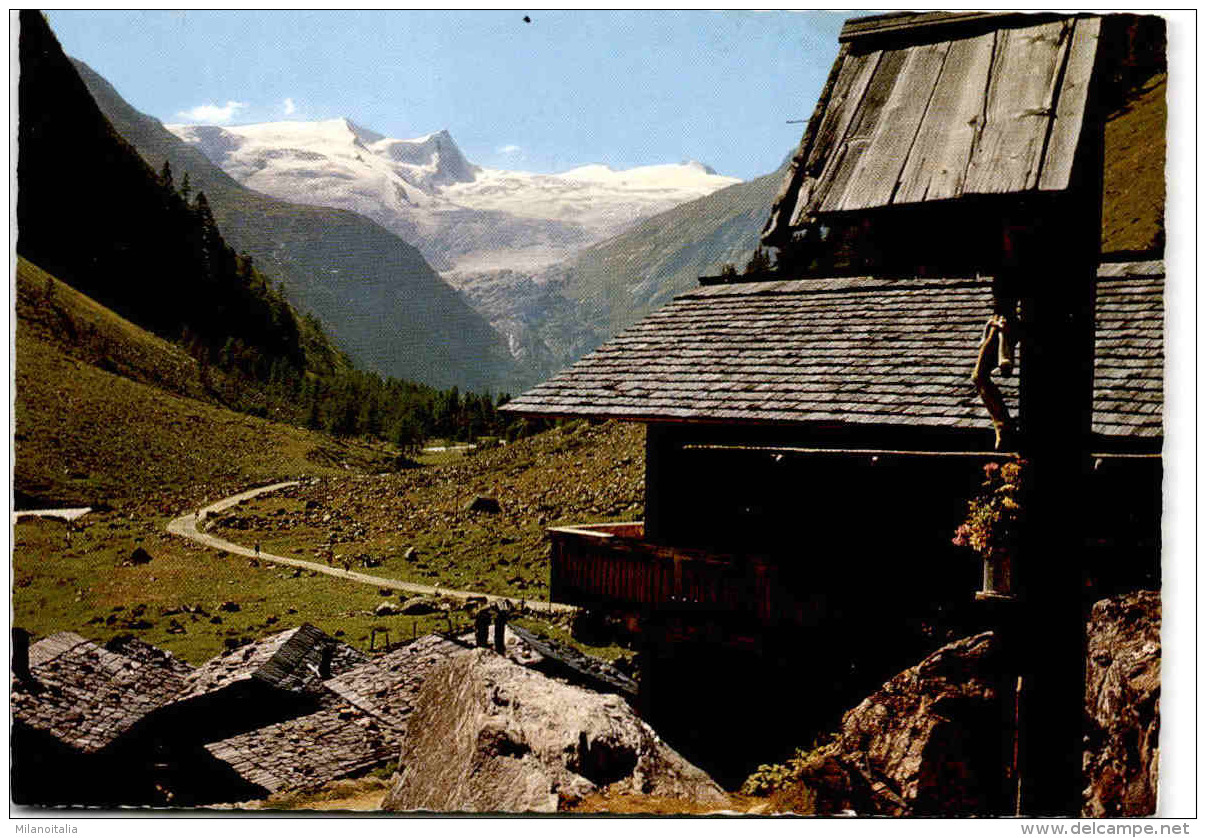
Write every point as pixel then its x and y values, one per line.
pixel 460 215
pixel 378 298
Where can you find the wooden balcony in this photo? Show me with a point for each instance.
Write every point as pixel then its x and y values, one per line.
pixel 611 566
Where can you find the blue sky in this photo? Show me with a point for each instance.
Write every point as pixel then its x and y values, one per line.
pixel 570 88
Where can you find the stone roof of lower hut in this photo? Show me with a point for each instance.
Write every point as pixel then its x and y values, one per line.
pixel 335 742
pixel 387 685
pixel 87 695
pixel 851 351
pixel 290 661
pixel 361 724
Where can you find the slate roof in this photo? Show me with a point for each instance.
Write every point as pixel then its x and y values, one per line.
pixel 361 724
pixel 860 350
pixel 1128 367
pixel 387 685
pixel 88 695
pixel 917 112
pixel 337 741
pixel 288 661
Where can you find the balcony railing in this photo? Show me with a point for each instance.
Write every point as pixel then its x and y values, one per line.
pixel 612 566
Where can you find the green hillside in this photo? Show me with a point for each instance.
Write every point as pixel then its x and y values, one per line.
pixel 382 303
pixel 1135 145
pixel 106 412
pixel 90 211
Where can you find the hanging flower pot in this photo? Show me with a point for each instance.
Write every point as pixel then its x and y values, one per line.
pixel 993 525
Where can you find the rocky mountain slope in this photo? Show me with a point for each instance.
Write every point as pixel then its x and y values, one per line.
pixel 380 301
pixel 555 316
pixel 462 217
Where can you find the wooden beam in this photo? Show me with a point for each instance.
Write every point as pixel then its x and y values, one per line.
pixel 915 26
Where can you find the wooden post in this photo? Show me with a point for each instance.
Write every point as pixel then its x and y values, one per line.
pixel 500 632
pixel 657 438
pixel 1057 275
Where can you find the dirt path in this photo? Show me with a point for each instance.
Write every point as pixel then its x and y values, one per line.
pixel 66 514
pixel 186 527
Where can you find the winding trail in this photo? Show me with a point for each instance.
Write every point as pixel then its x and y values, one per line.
pixel 67 515
pixel 186 527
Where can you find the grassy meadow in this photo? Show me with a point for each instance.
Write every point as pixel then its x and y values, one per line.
pixel 110 416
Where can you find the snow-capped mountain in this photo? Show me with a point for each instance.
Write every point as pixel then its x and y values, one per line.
pixel 463 217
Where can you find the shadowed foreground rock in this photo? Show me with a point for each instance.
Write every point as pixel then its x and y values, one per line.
pixel 928 742
pixel 490 736
pixel 1122 701
pixel 934 739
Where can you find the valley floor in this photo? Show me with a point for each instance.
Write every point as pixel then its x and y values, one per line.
pixel 195 601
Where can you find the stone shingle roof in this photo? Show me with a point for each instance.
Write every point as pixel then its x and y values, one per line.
pixel 289 661
pixel 859 351
pixel 361 724
pixel 387 685
pixel 87 695
pixel 1128 368
pixel 337 741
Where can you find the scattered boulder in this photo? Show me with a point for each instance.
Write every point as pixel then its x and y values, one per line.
pixel 1122 702
pixel 230 607
pixel 411 552
pixel 387 609
pixel 419 606
pixel 487 735
pixel 139 556
pixel 483 503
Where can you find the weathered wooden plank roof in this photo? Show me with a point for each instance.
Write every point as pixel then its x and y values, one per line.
pixel 924 112
pixel 88 695
pixel 857 351
pixel 289 661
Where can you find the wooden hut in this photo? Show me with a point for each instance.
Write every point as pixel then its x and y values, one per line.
pixel 814 433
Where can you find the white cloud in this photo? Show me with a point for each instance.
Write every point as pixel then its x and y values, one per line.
pixel 509 149
pixel 290 107
pixel 213 114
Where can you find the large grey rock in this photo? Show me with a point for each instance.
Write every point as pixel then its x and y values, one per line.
pixel 487 735
pixel 1122 702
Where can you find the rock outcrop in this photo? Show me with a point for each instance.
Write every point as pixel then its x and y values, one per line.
pixel 1122 702
pixel 489 736
pixel 934 739
pixel 928 742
